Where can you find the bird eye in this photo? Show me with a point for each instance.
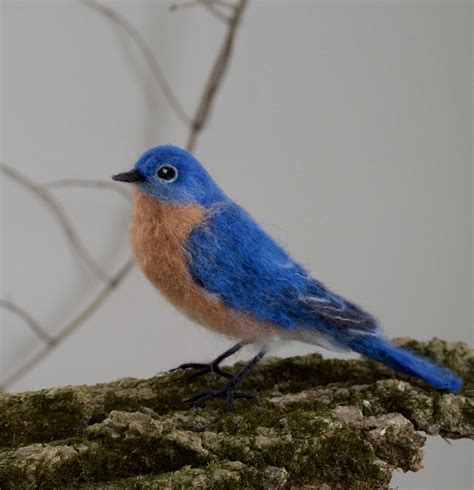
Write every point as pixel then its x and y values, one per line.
pixel 167 173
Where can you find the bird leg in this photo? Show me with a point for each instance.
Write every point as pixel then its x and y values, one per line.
pixel 228 390
pixel 212 367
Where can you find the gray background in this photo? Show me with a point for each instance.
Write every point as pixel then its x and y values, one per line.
pixel 344 127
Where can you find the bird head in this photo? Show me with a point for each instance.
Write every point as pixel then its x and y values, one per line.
pixel 170 174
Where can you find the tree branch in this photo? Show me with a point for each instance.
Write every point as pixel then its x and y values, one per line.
pixel 201 116
pixel 320 423
pixel 147 54
pixel 60 215
pixel 34 325
pixel 194 3
pixel 210 6
pixel 70 327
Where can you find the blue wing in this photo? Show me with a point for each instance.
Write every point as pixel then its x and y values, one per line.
pixel 232 257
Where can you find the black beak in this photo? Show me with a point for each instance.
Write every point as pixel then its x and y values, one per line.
pixel 132 176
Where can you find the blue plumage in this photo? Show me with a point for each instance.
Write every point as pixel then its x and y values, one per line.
pixel 407 362
pixel 194 184
pixel 233 259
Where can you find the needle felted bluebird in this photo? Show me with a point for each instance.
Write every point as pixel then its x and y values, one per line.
pixel 216 264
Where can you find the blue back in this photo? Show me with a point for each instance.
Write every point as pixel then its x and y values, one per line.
pixel 232 257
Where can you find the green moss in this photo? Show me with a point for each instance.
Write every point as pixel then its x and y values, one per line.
pixel 398 446
pixel 12 477
pixel 296 373
pixel 103 462
pixel 467 414
pixel 256 416
pixel 225 475
pixel 303 423
pixel 299 442
pixel 125 459
pixel 343 458
pixel 41 417
pixel 338 459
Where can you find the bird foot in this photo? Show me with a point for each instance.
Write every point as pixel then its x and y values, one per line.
pixel 228 390
pixel 212 367
pixel 201 369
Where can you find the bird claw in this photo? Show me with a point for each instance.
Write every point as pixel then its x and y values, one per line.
pixel 201 370
pixel 228 390
pixel 199 399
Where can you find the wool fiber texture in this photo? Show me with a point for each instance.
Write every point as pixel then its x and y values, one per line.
pixel 213 261
pixel 158 235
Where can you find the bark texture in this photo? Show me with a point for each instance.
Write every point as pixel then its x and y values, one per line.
pixel 319 423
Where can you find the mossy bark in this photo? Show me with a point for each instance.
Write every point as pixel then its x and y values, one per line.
pixel 319 423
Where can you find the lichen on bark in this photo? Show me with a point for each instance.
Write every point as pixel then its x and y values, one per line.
pixel 319 423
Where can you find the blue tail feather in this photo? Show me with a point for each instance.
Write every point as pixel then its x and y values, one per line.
pixel 408 362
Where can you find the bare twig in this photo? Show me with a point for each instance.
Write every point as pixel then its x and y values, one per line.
pixel 70 327
pixel 147 54
pixel 201 117
pixel 213 10
pixel 57 210
pixel 216 76
pixel 28 319
pixel 87 183
pixel 195 3
pixel 224 3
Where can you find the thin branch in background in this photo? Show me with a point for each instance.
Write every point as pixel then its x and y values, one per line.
pixel 147 54
pixel 20 312
pixel 59 213
pixel 213 10
pixel 210 5
pixel 70 327
pixel 215 78
pixel 195 3
pixel 87 183
pixel 224 3
pixel 199 122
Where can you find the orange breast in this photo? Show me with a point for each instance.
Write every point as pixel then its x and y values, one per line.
pixel 158 234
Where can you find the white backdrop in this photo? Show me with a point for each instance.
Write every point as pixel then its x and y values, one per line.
pixel 344 127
